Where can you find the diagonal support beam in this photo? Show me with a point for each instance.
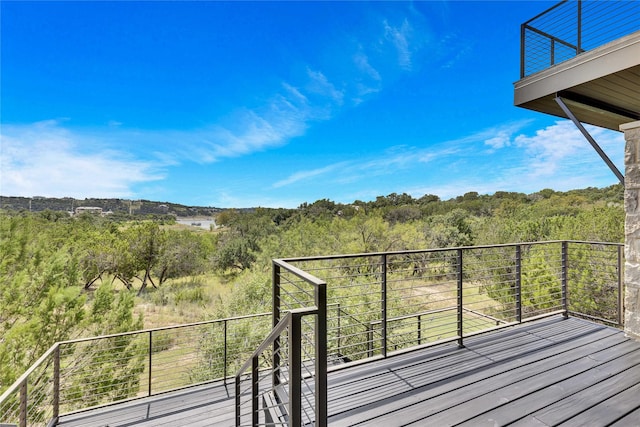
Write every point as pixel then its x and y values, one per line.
pixel 589 138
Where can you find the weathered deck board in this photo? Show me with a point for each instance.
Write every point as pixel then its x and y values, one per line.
pixel 201 405
pixel 544 373
pixel 463 381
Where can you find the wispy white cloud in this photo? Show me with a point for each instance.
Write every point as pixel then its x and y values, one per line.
pixel 308 174
pixel 361 60
pixel 556 156
pixel 562 147
pixel 504 157
pixel 320 85
pixel 399 36
pixel 46 160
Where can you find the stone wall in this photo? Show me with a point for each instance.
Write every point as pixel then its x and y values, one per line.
pixel 632 229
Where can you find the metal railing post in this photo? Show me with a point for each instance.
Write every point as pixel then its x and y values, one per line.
pixel 620 288
pixel 518 283
pixel 255 389
pixel 23 403
pixel 419 329
pixel 370 340
pixel 384 304
pixel 295 366
pixel 237 400
pixel 565 275
pixel 339 331
pixel 460 302
pixel 523 29
pixel 150 359
pixel 225 369
pixel 321 355
pixel 579 43
pixel 56 383
pixel 275 318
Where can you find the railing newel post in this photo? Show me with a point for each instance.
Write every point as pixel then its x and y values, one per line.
pixel 23 403
pixel 459 299
pixel 275 318
pixel 150 359
pixel 237 399
pixel 384 304
pixel 295 375
pixel 225 356
pixel 579 42
pixel 56 383
pixel 321 388
pixel 620 288
pixel 565 278
pixel 339 332
pixel 419 329
pixel 519 283
pixel 523 29
pixel 255 389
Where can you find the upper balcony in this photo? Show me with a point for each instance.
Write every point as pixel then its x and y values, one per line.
pixel 588 52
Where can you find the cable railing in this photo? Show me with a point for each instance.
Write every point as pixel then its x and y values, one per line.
pixel 73 376
pixel 284 382
pixel 276 386
pixel 328 313
pixel 572 27
pixel 385 302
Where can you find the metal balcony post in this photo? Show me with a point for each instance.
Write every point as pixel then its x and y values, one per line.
pixel 23 403
pixel 339 332
pixel 384 304
pixel 565 275
pixel 150 359
pixel 255 389
pixel 579 27
pixel 295 376
pixel 460 302
pixel 224 331
pixel 275 318
pixel 321 355
pixel 419 329
pixel 56 383
pixel 523 29
pixel 518 283
pixel 237 400
pixel 620 288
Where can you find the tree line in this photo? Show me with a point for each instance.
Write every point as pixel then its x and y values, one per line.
pixel 65 277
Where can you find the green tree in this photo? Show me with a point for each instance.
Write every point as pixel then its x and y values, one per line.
pixel 108 369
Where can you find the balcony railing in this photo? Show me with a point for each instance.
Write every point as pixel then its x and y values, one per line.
pixel 572 27
pixel 76 375
pixel 383 303
pixel 328 312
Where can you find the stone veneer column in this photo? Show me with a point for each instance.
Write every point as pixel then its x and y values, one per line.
pixel 632 229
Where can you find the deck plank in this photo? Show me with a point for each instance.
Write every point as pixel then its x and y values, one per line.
pixel 567 406
pixel 610 410
pixel 543 373
pixel 215 401
pixel 468 381
pixel 547 390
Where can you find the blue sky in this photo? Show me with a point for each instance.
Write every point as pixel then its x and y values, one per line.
pixel 240 104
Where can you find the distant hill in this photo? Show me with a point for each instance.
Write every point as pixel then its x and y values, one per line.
pixel 133 207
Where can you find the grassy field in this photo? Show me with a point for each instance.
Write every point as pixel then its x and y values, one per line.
pixel 179 301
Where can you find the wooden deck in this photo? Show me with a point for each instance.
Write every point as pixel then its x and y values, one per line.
pixel 550 372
